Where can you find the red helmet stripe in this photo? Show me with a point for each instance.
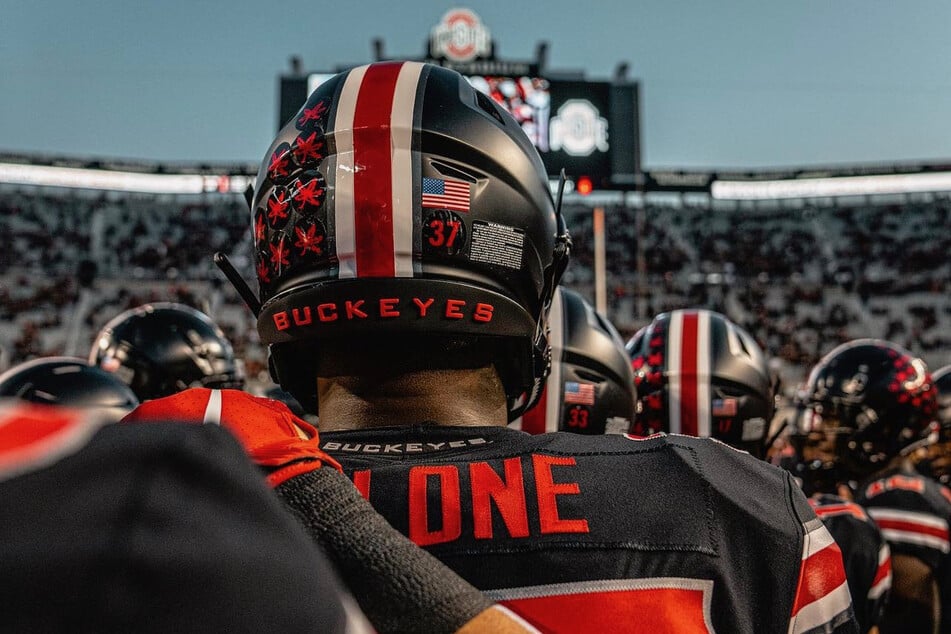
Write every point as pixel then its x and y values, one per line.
pixel 374 171
pixel 689 354
pixel 688 374
pixel 373 176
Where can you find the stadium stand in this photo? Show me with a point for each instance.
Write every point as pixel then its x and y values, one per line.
pixel 801 276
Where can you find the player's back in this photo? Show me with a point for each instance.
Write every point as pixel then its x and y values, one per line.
pixel 914 514
pixel 607 533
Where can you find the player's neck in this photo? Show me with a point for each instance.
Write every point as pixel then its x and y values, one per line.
pixel 445 397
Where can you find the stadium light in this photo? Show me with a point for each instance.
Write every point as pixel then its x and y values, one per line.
pixel 109 180
pixel 584 186
pixel 831 187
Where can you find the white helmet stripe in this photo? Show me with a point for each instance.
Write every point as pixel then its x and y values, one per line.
pixel 674 369
pixel 401 129
pixel 704 353
pixel 554 403
pixel 343 179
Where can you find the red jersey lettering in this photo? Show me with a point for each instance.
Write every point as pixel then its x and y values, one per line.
pixel 547 490
pixel 451 527
pixel 508 496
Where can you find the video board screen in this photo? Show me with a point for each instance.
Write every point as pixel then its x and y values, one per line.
pixel 582 126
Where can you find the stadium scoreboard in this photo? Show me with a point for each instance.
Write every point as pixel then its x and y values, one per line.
pixel 589 128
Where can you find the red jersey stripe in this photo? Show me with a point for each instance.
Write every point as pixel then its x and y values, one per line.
pixel 821 573
pixel 912 527
pixel 840 509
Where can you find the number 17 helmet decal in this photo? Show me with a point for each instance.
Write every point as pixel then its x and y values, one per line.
pixel 697 373
pixel 402 202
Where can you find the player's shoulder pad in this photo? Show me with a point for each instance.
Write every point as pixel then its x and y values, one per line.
pixel 737 481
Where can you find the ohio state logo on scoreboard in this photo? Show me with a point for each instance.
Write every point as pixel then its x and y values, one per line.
pixel 460 37
pixel 579 129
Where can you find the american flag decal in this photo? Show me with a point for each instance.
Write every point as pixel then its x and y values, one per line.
pixel 579 393
pixel 724 407
pixel 440 194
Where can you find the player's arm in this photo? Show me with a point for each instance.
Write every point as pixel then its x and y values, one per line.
pixel 914 604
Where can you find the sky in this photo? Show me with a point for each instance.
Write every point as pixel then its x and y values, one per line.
pixel 725 84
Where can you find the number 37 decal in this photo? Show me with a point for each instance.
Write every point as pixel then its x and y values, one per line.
pixel 444 232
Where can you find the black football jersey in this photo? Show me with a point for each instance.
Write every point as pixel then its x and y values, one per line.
pixel 865 554
pixel 914 514
pixel 608 533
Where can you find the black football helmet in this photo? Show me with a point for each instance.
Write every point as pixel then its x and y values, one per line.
pixel 69 382
pixel 933 460
pixel 866 402
pixel 697 373
pixel 401 202
pixel 590 389
pixel 163 348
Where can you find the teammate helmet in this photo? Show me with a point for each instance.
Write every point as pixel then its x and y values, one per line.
pixel 698 373
pixel 863 404
pixel 399 202
pixel 163 348
pixel 590 389
pixel 69 382
pixel 934 459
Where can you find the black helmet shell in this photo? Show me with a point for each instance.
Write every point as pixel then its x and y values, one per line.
pixel 69 382
pixel 698 373
pixel 162 348
pixel 401 201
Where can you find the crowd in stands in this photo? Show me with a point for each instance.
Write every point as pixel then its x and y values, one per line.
pixel 801 278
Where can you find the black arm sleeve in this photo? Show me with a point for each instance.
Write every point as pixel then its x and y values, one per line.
pixel 399 586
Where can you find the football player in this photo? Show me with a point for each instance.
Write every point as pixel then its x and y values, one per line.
pixel 697 373
pixel 933 460
pixel 865 406
pixel 163 348
pixel 590 388
pixel 408 249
